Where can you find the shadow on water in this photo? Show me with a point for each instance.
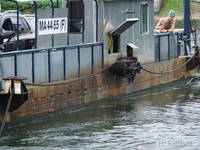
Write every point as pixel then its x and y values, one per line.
pixel 137 120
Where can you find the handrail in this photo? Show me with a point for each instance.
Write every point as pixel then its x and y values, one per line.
pixel 180 39
pixel 168 33
pixel 168 44
pixel 50 48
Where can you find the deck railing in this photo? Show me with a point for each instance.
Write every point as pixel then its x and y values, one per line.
pixel 167 46
pixel 52 64
pixel 195 38
pixel 171 45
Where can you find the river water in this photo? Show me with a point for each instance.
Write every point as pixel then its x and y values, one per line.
pixel 164 118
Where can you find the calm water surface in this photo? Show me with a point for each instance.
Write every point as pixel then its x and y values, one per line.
pixel 164 119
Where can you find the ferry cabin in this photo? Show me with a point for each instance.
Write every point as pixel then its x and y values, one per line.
pixel 113 22
pixel 117 26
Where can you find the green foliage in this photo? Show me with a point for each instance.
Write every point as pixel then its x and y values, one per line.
pixel 167 5
pixel 26 5
pixel 196 23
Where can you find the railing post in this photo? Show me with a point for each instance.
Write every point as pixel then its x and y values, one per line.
pixel 158 48
pixel 178 45
pixel 195 38
pixel 64 64
pixel 15 61
pixel 168 39
pixel 102 65
pixel 52 16
pixel 36 24
pixel 33 68
pixel 92 54
pixel 79 62
pixel 49 65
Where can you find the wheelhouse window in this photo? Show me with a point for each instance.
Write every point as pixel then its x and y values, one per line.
pixel 144 18
pixel 76 16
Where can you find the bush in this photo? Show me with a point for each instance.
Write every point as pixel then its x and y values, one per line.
pixel 26 6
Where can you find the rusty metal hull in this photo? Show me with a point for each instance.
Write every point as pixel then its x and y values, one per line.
pixel 62 96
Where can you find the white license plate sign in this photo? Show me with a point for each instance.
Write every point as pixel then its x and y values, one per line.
pixel 52 26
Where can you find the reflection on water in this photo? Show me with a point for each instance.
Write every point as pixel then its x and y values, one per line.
pixel 164 119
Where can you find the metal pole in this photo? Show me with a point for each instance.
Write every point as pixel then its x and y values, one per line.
pixel 52 36
pixel 15 61
pixel 168 38
pixel 17 26
pixel 56 3
pixel 64 63
pixel 68 23
pixel 102 48
pixel 92 56
pixel 49 65
pixel 52 7
pixel 83 32
pixel 97 20
pixel 159 48
pixel 33 67
pixel 17 44
pixel 187 25
pixel 195 38
pixel 36 23
pixel 79 62
pixel 178 45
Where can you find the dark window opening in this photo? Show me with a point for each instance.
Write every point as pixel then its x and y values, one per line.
pixel 76 16
pixel 129 51
pixel 116 43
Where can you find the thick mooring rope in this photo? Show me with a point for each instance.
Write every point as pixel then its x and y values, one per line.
pixel 174 70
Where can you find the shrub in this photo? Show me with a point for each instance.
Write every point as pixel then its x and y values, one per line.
pixel 26 6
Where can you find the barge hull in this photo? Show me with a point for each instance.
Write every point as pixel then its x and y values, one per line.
pixel 54 98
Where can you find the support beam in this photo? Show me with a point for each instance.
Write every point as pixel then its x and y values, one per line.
pixel 187 26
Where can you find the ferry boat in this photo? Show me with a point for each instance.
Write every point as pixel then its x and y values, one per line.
pixel 106 48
